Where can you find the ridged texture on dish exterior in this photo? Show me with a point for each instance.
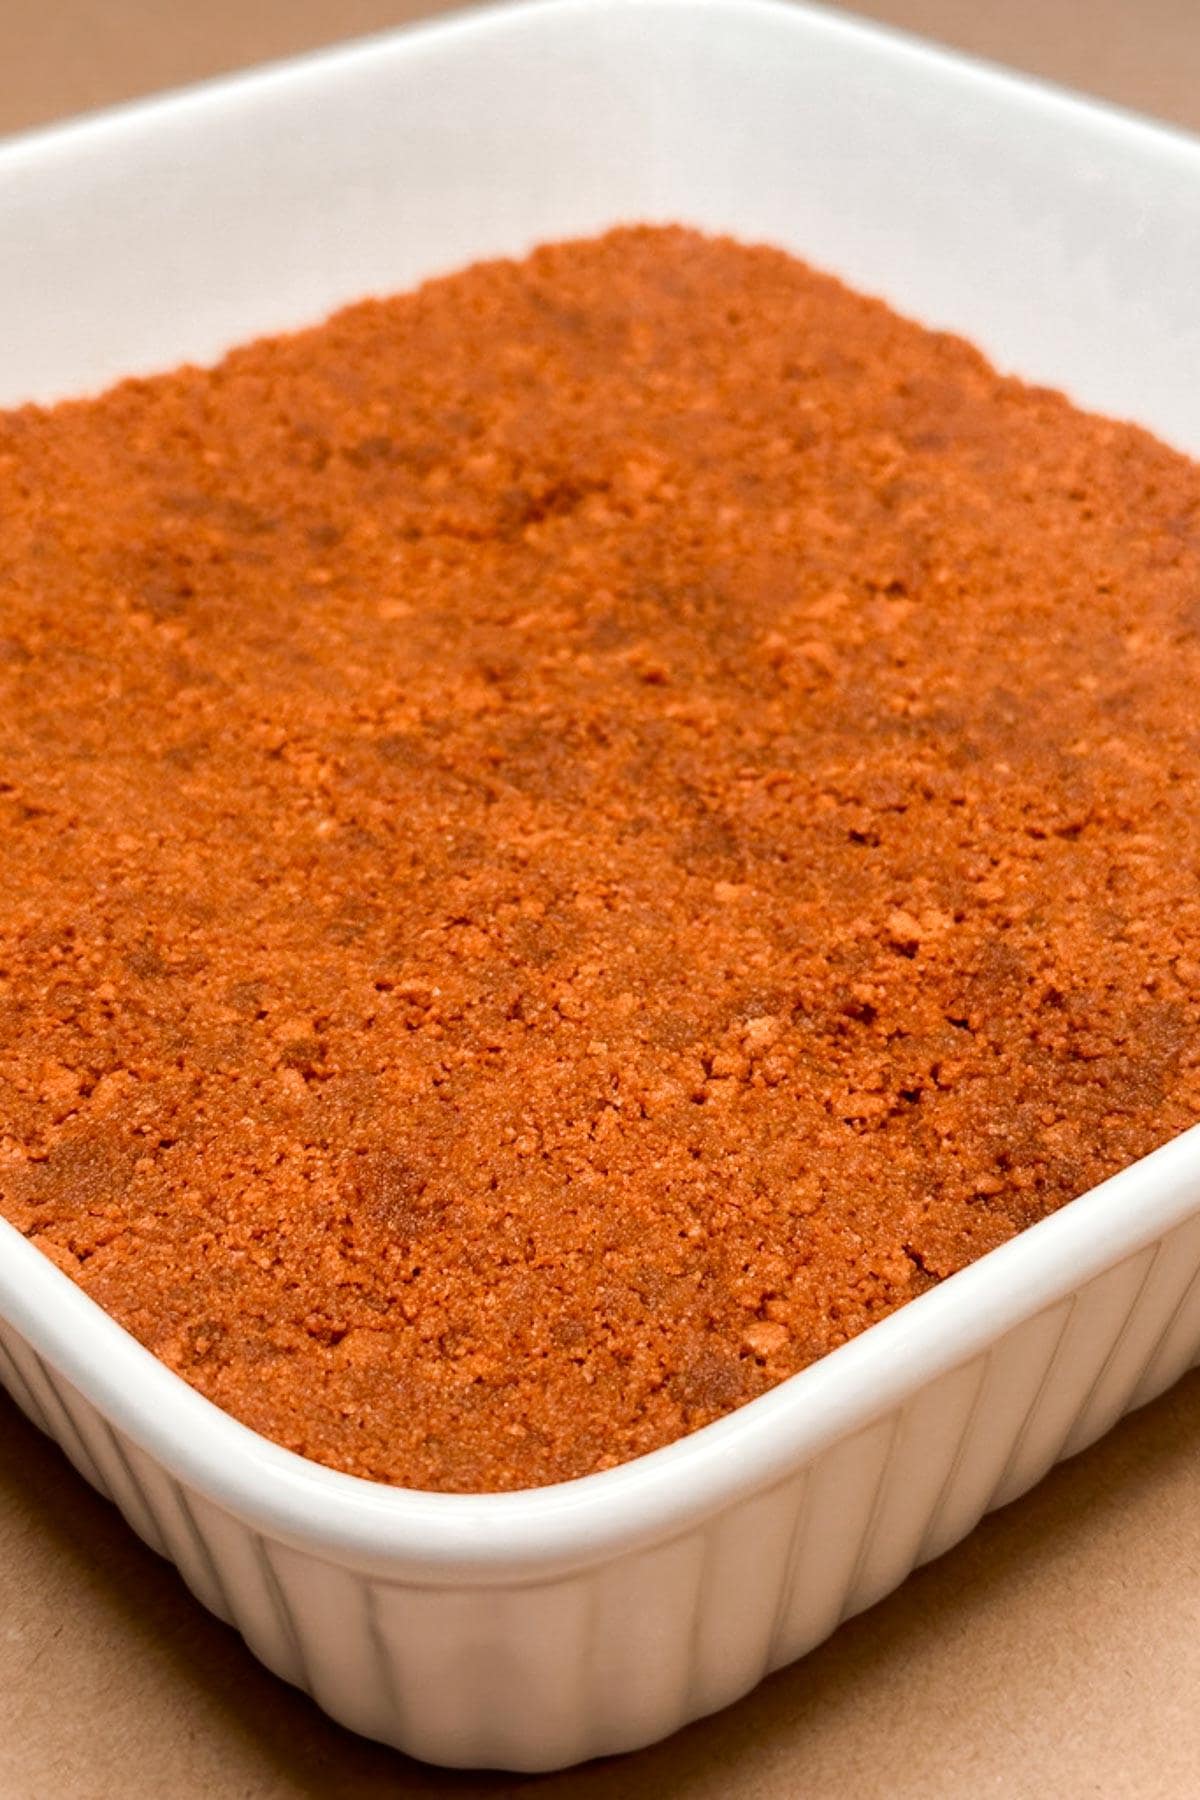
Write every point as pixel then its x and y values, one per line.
pixel 538 1675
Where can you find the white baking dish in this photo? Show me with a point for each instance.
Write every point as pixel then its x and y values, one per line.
pixel 530 1630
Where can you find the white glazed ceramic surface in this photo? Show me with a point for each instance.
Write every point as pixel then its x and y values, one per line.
pixel 531 1630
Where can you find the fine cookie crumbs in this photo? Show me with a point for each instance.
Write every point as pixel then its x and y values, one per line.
pixel 575 837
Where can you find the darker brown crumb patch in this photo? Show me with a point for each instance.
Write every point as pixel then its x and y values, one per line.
pixel 573 838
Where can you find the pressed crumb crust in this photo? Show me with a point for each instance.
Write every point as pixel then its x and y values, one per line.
pixel 573 838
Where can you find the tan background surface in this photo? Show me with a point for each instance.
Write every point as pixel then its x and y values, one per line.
pixel 1057 1652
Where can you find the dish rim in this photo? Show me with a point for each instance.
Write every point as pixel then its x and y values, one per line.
pixel 497 1536
pixel 477 17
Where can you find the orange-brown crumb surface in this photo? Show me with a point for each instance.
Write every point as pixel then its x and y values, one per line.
pixel 573 838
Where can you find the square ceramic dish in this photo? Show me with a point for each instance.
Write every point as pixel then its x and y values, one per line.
pixel 529 1630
